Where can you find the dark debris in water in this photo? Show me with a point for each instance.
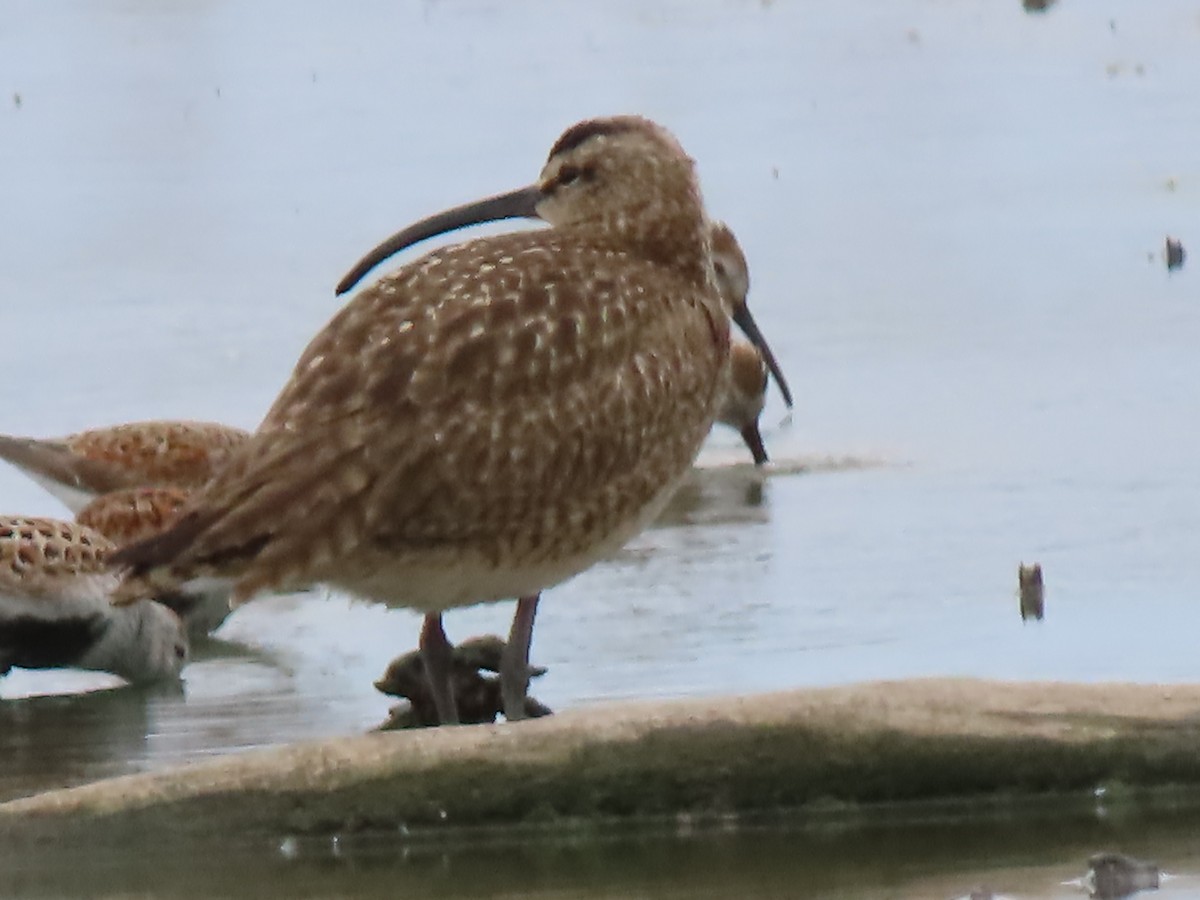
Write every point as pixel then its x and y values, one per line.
pixel 476 693
pixel 1114 875
pixel 1032 591
pixel 1174 254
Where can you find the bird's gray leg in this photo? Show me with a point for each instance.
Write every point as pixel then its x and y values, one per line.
pixel 437 655
pixel 514 665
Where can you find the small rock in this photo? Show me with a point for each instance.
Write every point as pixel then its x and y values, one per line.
pixel 1114 875
pixel 478 695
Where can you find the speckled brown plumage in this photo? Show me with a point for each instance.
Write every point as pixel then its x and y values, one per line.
pixel 137 454
pixel 746 393
pixel 36 552
pixel 490 419
pixel 55 587
pixel 133 514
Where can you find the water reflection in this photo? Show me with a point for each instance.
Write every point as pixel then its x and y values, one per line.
pixel 1021 851
pixel 69 739
pixel 729 495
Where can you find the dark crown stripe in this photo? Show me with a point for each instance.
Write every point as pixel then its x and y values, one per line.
pixel 583 131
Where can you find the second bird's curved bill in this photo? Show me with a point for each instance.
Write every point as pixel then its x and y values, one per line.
pixel 518 204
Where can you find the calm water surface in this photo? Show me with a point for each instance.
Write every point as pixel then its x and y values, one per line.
pixel 937 856
pixel 953 212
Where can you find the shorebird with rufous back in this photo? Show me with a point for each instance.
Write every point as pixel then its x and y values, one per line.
pixel 745 397
pixel 55 610
pixel 745 394
pixel 81 466
pixel 135 514
pixel 492 418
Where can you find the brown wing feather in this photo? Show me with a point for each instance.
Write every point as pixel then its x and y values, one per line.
pixel 495 384
pixel 181 454
pixel 132 513
pixel 43 559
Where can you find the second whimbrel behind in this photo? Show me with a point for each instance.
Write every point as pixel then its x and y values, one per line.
pixel 490 419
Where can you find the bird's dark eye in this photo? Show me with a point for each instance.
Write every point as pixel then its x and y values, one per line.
pixel 180 652
pixel 571 174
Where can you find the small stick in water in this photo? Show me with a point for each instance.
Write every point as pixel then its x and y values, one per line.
pixel 1033 591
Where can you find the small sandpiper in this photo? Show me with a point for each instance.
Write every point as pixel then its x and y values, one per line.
pixel 746 391
pixel 134 514
pixel 81 466
pixel 55 612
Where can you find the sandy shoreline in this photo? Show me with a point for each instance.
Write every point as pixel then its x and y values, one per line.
pixel 878 742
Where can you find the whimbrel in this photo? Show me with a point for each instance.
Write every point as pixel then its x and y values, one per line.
pixel 742 398
pixel 134 514
pixel 77 468
pixel 490 419
pixel 55 612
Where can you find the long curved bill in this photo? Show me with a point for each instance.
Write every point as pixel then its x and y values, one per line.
pixel 745 321
pixel 518 204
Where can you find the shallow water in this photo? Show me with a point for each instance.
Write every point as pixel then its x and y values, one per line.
pixel 940 855
pixel 953 212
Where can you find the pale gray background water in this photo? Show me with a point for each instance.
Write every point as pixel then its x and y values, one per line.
pixel 953 212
